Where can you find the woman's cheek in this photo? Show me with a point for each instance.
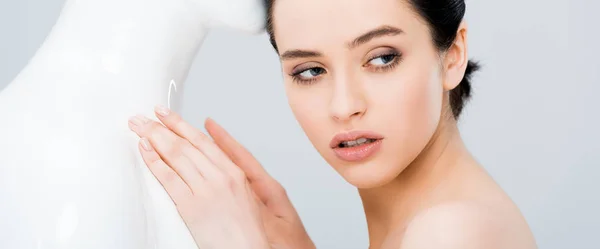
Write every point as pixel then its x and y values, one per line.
pixel 421 104
pixel 412 112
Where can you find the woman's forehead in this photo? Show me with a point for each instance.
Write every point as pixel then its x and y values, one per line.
pixel 305 23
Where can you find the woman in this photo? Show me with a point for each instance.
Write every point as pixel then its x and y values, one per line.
pixel 378 87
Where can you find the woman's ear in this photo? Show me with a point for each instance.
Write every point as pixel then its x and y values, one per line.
pixel 456 59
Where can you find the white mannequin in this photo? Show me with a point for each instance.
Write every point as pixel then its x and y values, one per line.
pixel 70 172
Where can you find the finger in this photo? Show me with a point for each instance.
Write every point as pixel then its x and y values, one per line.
pixel 198 139
pixel 177 189
pixel 237 153
pixel 172 149
pixel 201 162
pixel 266 187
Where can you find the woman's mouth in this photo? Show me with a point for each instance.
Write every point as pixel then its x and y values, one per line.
pixel 356 145
pixel 357 142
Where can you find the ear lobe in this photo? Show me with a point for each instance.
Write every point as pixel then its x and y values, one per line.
pixel 456 59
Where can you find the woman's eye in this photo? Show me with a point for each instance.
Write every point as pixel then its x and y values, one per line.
pixel 307 76
pixel 312 72
pixel 383 60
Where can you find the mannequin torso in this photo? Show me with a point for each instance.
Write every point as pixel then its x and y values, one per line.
pixel 70 171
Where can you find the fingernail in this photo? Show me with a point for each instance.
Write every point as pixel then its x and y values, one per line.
pixel 143 119
pixel 136 121
pixel 146 144
pixel 133 126
pixel 162 110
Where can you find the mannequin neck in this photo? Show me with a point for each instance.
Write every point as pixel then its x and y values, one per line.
pixel 126 52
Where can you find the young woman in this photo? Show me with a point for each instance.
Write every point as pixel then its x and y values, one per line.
pixel 378 87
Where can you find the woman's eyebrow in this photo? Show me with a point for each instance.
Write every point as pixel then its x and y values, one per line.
pixel 384 30
pixel 297 53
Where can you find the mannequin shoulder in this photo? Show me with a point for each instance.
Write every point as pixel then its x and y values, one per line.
pixel 463 225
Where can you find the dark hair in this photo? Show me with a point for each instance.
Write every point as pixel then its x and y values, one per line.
pixel 443 18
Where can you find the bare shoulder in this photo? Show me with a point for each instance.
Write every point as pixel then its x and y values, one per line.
pixel 465 225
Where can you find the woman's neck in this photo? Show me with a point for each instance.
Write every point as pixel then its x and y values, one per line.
pixel 388 208
pixel 116 55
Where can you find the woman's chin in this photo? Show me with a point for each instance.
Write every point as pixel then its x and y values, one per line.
pixel 368 175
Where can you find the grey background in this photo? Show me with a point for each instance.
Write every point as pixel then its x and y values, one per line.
pixel 533 121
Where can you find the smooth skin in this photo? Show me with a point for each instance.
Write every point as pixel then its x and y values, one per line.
pixel 221 191
pixel 372 65
pixel 352 65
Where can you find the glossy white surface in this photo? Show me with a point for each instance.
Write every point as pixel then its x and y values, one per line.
pixel 70 171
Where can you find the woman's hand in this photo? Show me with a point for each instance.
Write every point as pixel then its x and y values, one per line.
pixel 211 193
pixel 179 147
pixel 282 223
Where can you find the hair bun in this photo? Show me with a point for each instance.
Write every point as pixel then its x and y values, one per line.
pixel 462 93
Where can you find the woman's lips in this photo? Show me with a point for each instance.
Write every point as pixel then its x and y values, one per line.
pixel 356 153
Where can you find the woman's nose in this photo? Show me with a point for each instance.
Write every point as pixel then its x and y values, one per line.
pixel 347 102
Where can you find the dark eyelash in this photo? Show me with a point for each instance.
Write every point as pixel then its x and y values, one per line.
pixel 391 65
pixel 297 79
pixel 382 55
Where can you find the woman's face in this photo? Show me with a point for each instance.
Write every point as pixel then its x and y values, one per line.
pixel 365 72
